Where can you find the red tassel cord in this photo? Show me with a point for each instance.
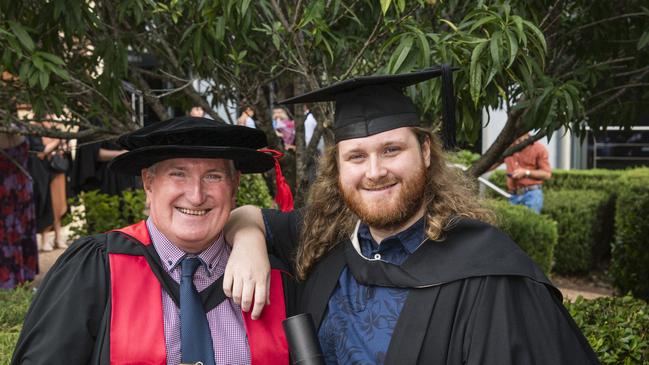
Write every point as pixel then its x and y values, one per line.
pixel 283 197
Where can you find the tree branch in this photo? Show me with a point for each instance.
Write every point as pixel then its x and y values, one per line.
pixel 368 41
pixel 617 94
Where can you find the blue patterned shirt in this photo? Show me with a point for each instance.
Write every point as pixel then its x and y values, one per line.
pixel 360 319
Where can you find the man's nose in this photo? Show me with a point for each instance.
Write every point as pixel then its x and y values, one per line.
pixel 375 169
pixel 195 192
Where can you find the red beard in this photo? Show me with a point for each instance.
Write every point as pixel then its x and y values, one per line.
pixel 391 214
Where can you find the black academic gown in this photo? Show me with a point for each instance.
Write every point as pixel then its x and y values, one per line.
pixel 68 321
pixel 475 298
pixel 89 173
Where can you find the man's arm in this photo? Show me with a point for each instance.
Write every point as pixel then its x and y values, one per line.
pixel 247 274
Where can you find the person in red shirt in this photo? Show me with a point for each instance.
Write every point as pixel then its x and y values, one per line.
pixel 526 171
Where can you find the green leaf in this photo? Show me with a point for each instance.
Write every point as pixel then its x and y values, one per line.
pixel 52 58
pixel 513 46
pixel 276 41
pixel 60 72
pixel 475 55
pixel 475 84
pixel 569 106
pixel 643 41
pixel 44 79
pixel 520 32
pixel 24 70
pixel 20 32
pixel 220 28
pixel 450 24
pixel 33 78
pixel 538 33
pixel 401 5
pixel 403 50
pixel 495 48
pixel 385 5
pixel 244 6
pixel 482 21
pixel 188 31
pixel 38 62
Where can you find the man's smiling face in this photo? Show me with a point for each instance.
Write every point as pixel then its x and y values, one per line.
pixel 191 199
pixel 383 176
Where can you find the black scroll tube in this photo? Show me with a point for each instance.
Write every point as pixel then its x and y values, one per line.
pixel 302 340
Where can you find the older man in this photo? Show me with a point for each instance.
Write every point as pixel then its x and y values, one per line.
pixel 152 293
pixel 398 261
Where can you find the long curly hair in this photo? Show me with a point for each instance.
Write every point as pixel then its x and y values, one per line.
pixel 328 221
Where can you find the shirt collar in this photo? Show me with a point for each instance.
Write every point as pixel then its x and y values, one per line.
pixel 410 238
pixel 171 255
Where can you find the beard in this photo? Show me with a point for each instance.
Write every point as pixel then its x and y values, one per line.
pixel 389 214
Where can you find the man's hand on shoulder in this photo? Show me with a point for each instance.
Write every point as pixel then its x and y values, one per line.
pixel 247 274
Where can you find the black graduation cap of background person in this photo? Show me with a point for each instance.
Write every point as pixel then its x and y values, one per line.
pixel 368 105
pixel 192 137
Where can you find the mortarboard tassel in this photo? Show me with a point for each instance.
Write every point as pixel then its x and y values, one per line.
pixel 283 196
pixel 448 112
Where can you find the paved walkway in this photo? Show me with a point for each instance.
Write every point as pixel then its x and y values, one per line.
pixel 569 291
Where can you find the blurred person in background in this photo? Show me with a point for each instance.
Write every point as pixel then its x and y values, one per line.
pixel 527 169
pixel 245 118
pixel 284 127
pixel 18 251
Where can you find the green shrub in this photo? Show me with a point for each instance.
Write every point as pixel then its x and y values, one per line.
pixel 463 157
pixel 14 306
pixel 594 179
pixel 102 212
pixel 253 190
pixel 534 233
pixel 630 250
pixel 617 328
pixel 584 223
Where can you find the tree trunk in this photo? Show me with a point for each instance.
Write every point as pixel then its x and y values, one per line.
pixel 495 151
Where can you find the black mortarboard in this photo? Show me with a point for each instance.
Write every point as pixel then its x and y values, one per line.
pixel 192 137
pixel 368 105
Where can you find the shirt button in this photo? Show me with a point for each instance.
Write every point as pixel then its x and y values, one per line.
pixel 377 256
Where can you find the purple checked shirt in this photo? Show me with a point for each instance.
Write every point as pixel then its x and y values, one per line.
pixel 226 322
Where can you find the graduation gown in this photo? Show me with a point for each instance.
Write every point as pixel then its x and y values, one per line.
pixel 70 318
pixel 475 298
pixel 89 173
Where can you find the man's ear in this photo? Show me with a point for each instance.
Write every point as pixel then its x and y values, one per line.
pixel 425 151
pixel 147 178
pixel 236 179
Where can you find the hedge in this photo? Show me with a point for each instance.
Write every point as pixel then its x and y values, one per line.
pixel 617 328
pixel 103 212
pixel 630 250
pixel 585 224
pixel 535 234
pixel 593 179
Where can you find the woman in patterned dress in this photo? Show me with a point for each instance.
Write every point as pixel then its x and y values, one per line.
pixel 18 251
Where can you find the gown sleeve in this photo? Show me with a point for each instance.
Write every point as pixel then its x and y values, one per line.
pixel 519 321
pixel 63 322
pixel 86 173
pixel 282 233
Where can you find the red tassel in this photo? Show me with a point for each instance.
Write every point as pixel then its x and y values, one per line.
pixel 283 197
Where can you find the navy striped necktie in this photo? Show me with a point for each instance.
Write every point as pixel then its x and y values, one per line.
pixel 195 337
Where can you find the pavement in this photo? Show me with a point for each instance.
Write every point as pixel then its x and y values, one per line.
pixel 568 287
